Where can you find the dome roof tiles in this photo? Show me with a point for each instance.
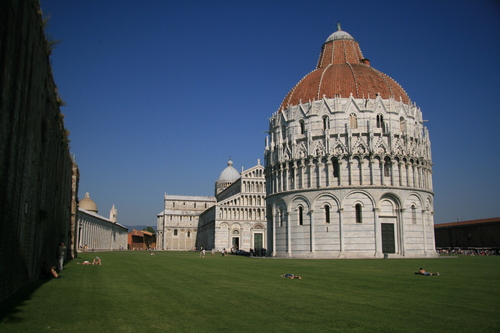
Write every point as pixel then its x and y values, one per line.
pixel 342 71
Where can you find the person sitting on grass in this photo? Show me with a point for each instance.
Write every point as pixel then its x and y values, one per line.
pixel 291 276
pixel 421 271
pixel 97 261
pixel 48 271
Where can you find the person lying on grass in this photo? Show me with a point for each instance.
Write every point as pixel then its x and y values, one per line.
pixel 422 271
pixel 291 276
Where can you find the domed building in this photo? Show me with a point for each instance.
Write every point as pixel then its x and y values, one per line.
pixel 234 219
pixel 96 232
pixel 238 220
pixel 88 204
pixel 228 176
pixel 348 164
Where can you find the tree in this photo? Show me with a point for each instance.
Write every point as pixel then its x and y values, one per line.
pixel 149 229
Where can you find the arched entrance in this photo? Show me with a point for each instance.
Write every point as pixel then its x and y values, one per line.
pixel 235 240
pixel 388 225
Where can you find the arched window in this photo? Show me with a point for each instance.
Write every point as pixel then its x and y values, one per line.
pixel 326 122
pixel 175 232
pixel 301 215
pixel 380 122
pixel 387 167
pixel 302 127
pixel 336 168
pixel 359 217
pixel 189 233
pixel 281 217
pixel 413 214
pixel 327 214
pixel 353 121
pixel 402 124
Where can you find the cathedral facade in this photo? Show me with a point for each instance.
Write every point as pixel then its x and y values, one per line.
pixel 234 219
pixel 238 220
pixel 348 164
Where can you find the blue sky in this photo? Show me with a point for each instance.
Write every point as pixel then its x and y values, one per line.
pixel 160 94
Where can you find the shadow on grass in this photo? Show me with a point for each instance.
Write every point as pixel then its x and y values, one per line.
pixel 11 307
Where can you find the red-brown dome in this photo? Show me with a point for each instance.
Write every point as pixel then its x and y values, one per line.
pixel 342 71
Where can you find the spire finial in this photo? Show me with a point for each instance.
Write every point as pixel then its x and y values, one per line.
pixel 338 26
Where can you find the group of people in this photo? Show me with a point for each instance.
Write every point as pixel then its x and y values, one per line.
pixel 467 252
pixel 96 261
pixel 203 252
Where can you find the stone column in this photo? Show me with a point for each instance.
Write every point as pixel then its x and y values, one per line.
pixel 361 173
pixel 400 173
pixel 392 173
pixel 287 177
pixel 378 233
pixel 288 235
pixel 402 240
pixel 302 173
pixel 274 217
pixel 341 229
pixel 311 220
pixel 349 170
pixel 382 172
pixel 319 174
pixel 311 171
pixel 371 172
pixel 329 175
pixel 281 186
pixel 424 230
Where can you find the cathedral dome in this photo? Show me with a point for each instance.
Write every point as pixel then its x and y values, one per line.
pixel 88 204
pixel 229 174
pixel 341 71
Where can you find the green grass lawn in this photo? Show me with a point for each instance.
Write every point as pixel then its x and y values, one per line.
pixel 181 292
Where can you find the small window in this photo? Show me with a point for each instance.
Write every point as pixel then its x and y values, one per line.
pixel 359 217
pixel 380 122
pixel 302 127
pixel 301 216
pixel 387 167
pixel 281 217
pixel 413 214
pixel 335 168
pixel 283 132
pixel 353 121
pixel 189 233
pixel 402 124
pixel 326 122
pixel 175 232
pixel 327 214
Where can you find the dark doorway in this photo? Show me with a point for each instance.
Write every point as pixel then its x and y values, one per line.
pixel 257 241
pixel 236 243
pixel 388 244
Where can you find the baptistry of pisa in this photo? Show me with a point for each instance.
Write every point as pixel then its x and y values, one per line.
pixel 348 164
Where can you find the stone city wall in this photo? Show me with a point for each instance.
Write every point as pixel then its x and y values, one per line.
pixel 35 163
